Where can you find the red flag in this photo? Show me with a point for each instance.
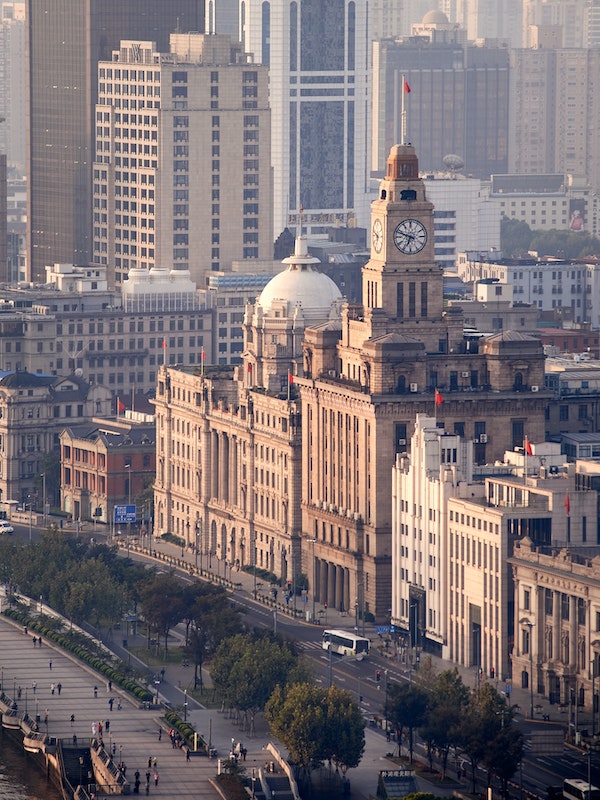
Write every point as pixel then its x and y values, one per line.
pixel 120 406
pixel 438 398
pixel 164 344
pixel 567 504
pixel 249 367
pixel 406 87
pixel 290 377
pixel 202 354
pixel 528 449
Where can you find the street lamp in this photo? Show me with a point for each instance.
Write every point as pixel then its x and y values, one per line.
pixel 314 586
pixel 593 664
pixel 128 468
pixel 44 496
pixel 527 624
pixel 198 545
pixel 185 704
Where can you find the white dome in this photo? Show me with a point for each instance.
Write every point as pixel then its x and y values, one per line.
pixel 301 284
pixel 435 17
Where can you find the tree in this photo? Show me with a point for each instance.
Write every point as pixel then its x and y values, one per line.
pixel 480 724
pixel 246 669
pixel 211 618
pixel 345 734
pixel 515 237
pixel 162 603
pixel 448 698
pixel 406 706
pixel 297 718
pixel 504 754
pixel 317 724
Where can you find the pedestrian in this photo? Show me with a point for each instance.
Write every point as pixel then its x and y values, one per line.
pixel 137 774
pixel 40 641
pixel 244 752
pixel 95 691
pixel 114 749
pixel 149 765
pixel 34 641
pixel 148 777
pixel 50 664
pixel 72 720
pixel 148 788
pixel 52 688
pixel 46 718
pixel 159 734
pixel 119 706
pixel 100 729
pixel 19 693
pixel 59 687
pixel 111 702
pixel 187 754
pixel 107 725
pixel 156 778
pixel 74 740
pixel 155 762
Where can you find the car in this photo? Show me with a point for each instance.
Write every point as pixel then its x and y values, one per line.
pixel 6 527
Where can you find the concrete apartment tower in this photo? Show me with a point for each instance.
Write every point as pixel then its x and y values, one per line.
pixel 182 178
pixel 66 39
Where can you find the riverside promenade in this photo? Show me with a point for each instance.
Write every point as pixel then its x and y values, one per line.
pixel 133 732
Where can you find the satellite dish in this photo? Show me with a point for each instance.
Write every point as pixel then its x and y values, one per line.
pixel 453 162
pixel 79 372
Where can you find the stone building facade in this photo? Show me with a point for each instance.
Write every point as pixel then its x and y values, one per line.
pixel 557 622
pixel 363 385
pixel 359 380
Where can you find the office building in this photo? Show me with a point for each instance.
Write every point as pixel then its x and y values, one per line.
pixel 182 177
pixel 458 101
pixel 13 90
pixel 66 39
pixel 318 56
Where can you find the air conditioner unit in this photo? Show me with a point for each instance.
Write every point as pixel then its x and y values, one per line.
pixel 414 387
pixel 483 438
pixel 535 388
pixel 466 374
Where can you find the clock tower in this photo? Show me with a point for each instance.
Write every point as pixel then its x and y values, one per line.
pixel 402 278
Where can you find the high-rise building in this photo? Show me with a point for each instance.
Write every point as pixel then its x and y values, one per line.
pixel 458 100
pixel 13 92
pixel 555 112
pixel 488 19
pixel 318 55
pixel 182 176
pixel 66 39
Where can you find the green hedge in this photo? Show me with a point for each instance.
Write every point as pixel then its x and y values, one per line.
pixel 85 649
pixel 184 728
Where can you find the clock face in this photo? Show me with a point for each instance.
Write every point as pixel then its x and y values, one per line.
pixel 410 236
pixel 377 236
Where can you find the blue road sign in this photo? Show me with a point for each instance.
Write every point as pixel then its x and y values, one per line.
pixel 125 514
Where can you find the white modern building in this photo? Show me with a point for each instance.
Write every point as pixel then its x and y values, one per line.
pixel 454 527
pixel 182 178
pixel 569 289
pixel 464 213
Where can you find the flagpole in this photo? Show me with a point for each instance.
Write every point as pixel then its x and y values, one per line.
pixel 202 362
pixel 403 126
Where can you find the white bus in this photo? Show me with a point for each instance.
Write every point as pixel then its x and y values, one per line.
pixel 577 789
pixel 345 643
